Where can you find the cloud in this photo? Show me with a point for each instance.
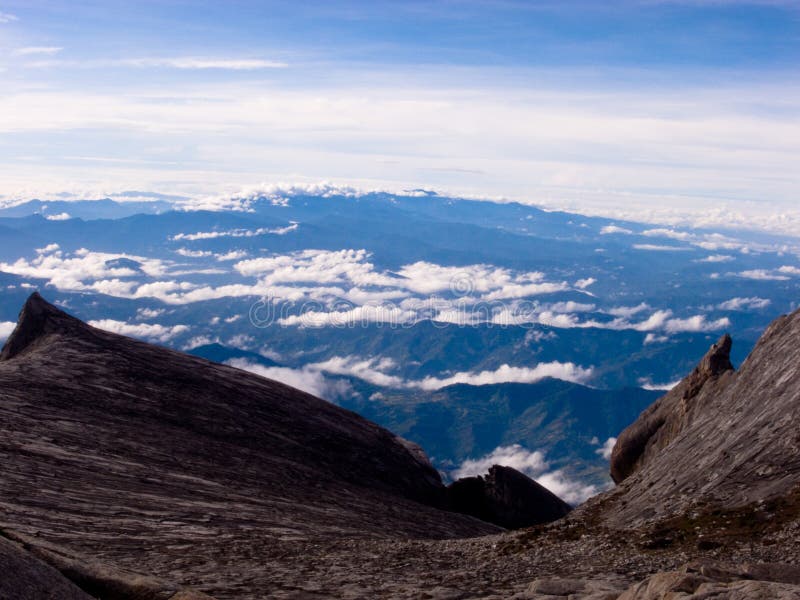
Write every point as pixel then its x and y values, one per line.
pixel 232 255
pixel 7 17
pixel 663 320
pixel 350 318
pixel 790 270
pixel 647 384
pixel 148 331
pixel 508 374
pixel 85 270
pixel 612 229
pixel 653 338
pixel 149 313
pixel 762 275
pixel 59 217
pixel 659 248
pixel 696 323
pixel 307 380
pixel 716 258
pixel 37 50
pixel 628 311
pixel 192 253
pixel 378 371
pixel 6 327
pixel 582 284
pixel 371 370
pixel 532 464
pixel 744 303
pixel 235 233
pixel 607 448
pixel 204 63
pixel 668 233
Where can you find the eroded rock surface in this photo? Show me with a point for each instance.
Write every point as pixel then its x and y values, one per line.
pixel 720 439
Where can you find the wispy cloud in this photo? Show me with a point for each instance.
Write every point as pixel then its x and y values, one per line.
pixel 183 63
pixel 7 17
pixel 148 331
pixel 37 50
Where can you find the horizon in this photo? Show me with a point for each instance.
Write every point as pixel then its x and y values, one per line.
pixel 559 105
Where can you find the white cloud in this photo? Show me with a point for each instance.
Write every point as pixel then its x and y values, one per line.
pixel 193 253
pixel 659 248
pixel 762 275
pixel 653 338
pixel 668 233
pixel 789 270
pixel 744 303
pixel 310 381
pixel 37 50
pixel 235 233
pixel 663 320
pixel 647 384
pixel 716 258
pixel 371 370
pixel 77 271
pixel 6 327
pixel 149 313
pixel 628 311
pixel 204 63
pixel 508 374
pixel 582 284
pixel 232 255
pixel 7 17
pixel 59 217
pixel 532 464
pixel 148 331
pixel 696 323
pixel 607 448
pixel 349 318
pixel 612 229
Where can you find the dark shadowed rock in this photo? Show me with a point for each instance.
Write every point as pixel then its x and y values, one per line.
pixel 506 497
pixel 24 577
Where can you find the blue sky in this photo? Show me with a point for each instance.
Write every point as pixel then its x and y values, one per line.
pixel 639 108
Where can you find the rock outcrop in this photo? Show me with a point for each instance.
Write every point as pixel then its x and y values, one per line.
pixel 719 440
pixel 506 497
pixel 671 414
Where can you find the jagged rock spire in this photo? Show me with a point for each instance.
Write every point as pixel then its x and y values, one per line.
pixel 660 423
pixel 37 318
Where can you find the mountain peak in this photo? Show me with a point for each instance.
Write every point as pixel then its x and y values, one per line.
pixel 37 318
pixel 663 421
pixel 718 357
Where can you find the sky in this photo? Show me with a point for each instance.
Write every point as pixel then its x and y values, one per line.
pixel 648 109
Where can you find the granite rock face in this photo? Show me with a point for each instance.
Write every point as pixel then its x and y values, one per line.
pixel 506 497
pixel 165 464
pixel 720 439
pixel 667 417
